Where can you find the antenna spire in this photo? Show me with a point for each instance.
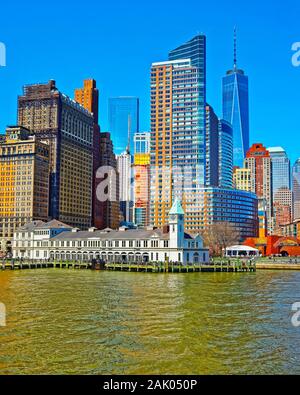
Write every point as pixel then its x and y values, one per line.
pixel 235 49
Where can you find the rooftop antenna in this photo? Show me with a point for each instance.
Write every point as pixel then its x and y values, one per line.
pixel 235 49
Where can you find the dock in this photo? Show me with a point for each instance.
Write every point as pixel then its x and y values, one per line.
pixel 233 266
pixel 18 265
pixel 161 267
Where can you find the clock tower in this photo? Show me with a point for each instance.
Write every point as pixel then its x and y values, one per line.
pixel 176 222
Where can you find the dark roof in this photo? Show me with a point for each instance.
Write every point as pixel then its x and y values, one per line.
pixel 54 224
pixel 130 234
pixel 30 226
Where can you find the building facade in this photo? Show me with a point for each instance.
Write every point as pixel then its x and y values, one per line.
pixel 123 118
pixel 282 208
pixel 281 169
pixel 212 147
pixel 125 170
pixel 141 174
pixel 177 142
pixel 68 129
pixel 258 160
pixel 24 182
pixel 141 170
pixel 225 155
pixel 88 97
pixel 236 109
pixel 43 241
pixel 107 181
pixel 291 230
pixel 296 189
pixel 242 179
pixel 216 205
pixel 142 143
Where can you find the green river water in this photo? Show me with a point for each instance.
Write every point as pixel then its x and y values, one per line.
pixel 84 322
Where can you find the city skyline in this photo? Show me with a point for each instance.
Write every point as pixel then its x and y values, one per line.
pixel 254 55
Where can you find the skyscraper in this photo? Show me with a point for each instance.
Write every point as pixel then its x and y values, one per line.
pixel 141 174
pixel 281 172
pixel 225 154
pixel 24 182
pixel 88 97
pixel 258 160
pixel 123 117
pixel 296 189
pixel 212 147
pixel 124 163
pixel 109 176
pixel 236 109
pixel 68 128
pixel 178 114
pixel 195 50
pixel 142 189
pixel 177 145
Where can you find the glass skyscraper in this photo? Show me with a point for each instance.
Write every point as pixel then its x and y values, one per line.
pixel 225 154
pixel 281 172
pixel 123 117
pixel 236 110
pixel 195 50
pixel 178 118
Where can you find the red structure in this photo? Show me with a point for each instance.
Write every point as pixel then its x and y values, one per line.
pixel 275 245
pixel 262 161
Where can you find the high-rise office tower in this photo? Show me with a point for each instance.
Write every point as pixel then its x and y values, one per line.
pixel 124 163
pixel 281 169
pixel 123 117
pixel 190 101
pixel 212 147
pixel 88 97
pixel 24 181
pixel 236 109
pixel 68 128
pixel 296 189
pixel 175 138
pixel 258 160
pixel 225 154
pixel 178 114
pixel 109 176
pixel 141 171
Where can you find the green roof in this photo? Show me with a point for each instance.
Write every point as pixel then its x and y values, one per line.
pixel 176 208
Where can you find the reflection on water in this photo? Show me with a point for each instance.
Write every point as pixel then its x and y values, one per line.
pixel 84 322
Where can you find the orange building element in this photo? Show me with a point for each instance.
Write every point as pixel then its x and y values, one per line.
pixel 275 245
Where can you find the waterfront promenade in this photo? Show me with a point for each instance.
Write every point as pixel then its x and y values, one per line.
pixel 149 267
pixel 216 265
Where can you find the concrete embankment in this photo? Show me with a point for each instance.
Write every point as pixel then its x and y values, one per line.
pixel 277 266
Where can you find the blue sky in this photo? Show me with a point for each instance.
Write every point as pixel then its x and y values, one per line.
pixel 115 42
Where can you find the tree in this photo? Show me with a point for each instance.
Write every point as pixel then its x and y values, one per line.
pixel 219 236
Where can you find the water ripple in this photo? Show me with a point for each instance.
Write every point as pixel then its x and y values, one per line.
pixel 83 322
